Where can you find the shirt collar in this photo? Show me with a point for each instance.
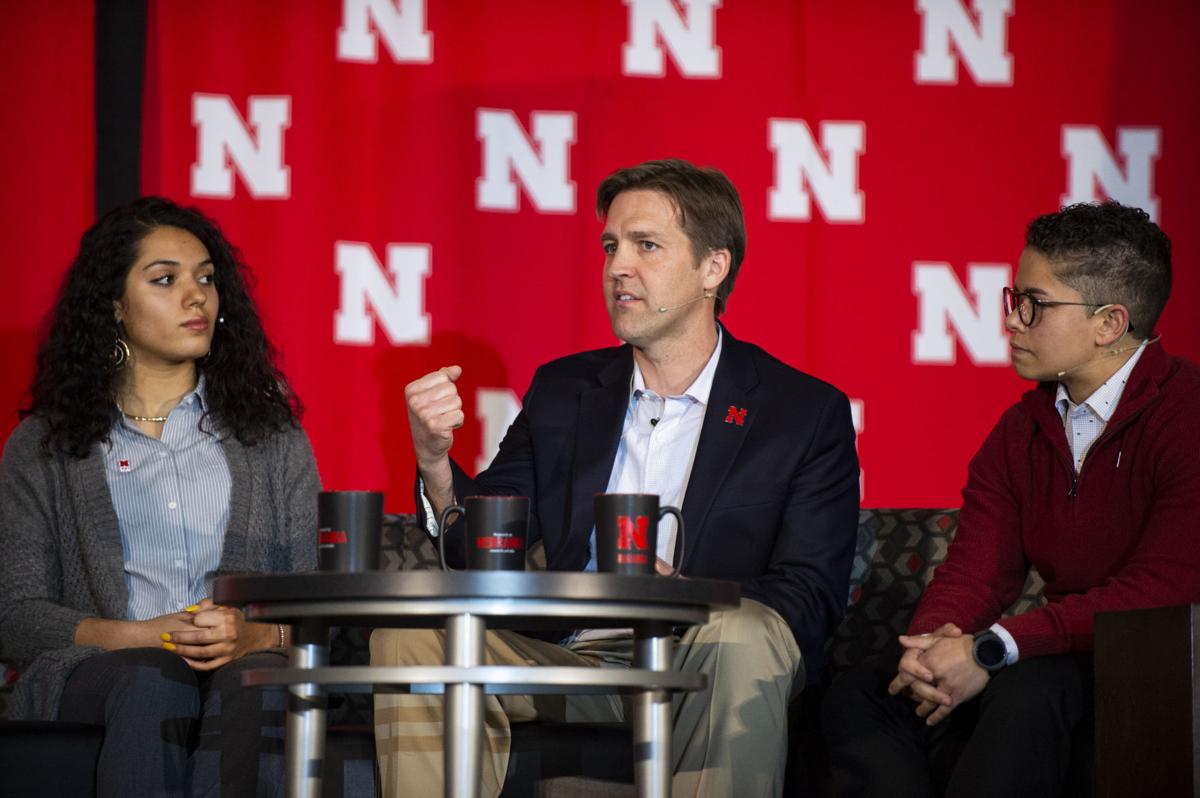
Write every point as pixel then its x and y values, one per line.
pixel 200 392
pixel 700 388
pixel 1103 401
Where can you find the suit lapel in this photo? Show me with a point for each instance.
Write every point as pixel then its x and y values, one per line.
pixel 721 436
pixel 597 434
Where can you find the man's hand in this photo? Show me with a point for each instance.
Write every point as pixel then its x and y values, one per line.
pixel 955 672
pixel 664 568
pixel 219 635
pixel 434 412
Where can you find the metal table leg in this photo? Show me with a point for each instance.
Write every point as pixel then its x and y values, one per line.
pixel 305 742
pixel 464 708
pixel 652 649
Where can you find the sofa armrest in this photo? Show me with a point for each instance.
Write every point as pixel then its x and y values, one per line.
pixel 1148 702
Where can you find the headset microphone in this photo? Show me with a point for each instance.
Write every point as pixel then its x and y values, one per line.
pixel 1113 352
pixel 700 298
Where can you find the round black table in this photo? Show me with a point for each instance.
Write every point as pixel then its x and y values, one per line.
pixel 466 604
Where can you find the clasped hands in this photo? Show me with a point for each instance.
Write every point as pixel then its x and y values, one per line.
pixel 938 671
pixel 210 635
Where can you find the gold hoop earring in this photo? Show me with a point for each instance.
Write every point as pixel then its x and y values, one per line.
pixel 120 353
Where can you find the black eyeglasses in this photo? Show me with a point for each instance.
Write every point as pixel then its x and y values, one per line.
pixel 1027 305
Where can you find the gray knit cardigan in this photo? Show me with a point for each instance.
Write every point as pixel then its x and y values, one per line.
pixel 60 548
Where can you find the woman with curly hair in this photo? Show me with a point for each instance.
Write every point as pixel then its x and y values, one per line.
pixel 160 448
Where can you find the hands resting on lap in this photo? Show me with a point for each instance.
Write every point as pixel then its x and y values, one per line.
pixel 938 671
pixel 212 635
pixel 206 636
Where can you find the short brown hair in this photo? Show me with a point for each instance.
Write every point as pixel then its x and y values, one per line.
pixel 710 211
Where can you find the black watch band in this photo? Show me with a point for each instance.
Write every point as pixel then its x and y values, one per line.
pixel 989 651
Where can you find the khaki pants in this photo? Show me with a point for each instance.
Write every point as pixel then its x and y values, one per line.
pixel 733 733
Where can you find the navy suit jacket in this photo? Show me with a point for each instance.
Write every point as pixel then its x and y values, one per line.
pixel 772 503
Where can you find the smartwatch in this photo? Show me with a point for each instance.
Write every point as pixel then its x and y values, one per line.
pixel 989 651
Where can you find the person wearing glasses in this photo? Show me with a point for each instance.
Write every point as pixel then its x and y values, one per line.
pixel 1093 478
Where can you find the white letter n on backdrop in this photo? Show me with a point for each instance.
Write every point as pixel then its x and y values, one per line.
pixel 222 139
pixel 509 155
pixel 832 178
pixel 496 409
pixel 942 303
pixel 1092 166
pixel 400 23
pixel 398 305
pixel 692 44
pixel 983 47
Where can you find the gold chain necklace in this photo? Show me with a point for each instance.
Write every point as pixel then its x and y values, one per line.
pixel 152 419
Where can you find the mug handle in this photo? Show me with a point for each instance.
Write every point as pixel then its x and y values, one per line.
pixel 679 542
pixel 442 533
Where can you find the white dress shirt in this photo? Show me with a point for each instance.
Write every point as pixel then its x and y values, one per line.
pixel 1084 422
pixel 658 446
pixel 657 449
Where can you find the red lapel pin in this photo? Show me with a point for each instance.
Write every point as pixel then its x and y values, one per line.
pixel 736 415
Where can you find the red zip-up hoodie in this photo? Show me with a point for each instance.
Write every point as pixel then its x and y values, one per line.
pixel 1123 533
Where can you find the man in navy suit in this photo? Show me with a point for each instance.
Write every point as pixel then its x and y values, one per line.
pixel 759 456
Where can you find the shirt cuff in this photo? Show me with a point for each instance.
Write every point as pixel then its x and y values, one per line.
pixel 431 521
pixel 1011 652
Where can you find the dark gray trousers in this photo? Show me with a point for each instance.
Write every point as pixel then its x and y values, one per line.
pixel 172 731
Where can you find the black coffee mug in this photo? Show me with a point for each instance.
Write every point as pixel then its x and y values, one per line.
pixel 349 526
pixel 496 530
pixel 627 532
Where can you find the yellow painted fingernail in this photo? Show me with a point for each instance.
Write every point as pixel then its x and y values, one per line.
pixel 192 608
pixel 169 646
pixel 166 637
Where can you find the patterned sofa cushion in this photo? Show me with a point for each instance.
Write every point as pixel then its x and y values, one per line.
pixel 895 557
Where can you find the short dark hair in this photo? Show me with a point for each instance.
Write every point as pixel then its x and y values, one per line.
pixel 1108 252
pixel 710 211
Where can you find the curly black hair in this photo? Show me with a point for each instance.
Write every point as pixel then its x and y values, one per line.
pixel 1108 252
pixel 75 384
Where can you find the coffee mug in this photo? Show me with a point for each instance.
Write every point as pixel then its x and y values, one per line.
pixel 496 529
pixel 627 532
pixel 349 526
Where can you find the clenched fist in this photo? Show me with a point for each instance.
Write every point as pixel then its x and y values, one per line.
pixel 434 412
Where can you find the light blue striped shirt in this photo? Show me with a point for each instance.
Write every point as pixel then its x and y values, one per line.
pixel 171 496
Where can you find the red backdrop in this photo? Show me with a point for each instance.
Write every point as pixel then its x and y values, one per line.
pixel 426 173
pixel 47 159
